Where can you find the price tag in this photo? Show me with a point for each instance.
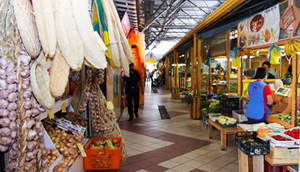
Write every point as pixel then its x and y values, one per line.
pixel 81 149
pixel 50 113
pixel 110 105
pixel 63 107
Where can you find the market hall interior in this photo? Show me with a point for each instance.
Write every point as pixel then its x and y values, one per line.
pixel 179 144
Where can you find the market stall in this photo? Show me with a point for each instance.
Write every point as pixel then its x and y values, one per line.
pixel 53 66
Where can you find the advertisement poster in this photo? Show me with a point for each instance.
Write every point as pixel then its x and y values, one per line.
pixel 125 24
pixel 260 29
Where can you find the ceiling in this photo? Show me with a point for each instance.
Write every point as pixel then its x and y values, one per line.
pixel 165 22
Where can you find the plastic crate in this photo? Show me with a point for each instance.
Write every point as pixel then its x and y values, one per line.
pixel 228 110
pixel 262 149
pixel 239 115
pixel 102 159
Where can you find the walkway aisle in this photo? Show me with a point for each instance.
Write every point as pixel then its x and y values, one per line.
pixel 179 144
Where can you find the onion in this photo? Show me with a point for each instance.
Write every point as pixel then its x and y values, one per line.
pixel 13 134
pixel 25 73
pixel 44 152
pixel 28 113
pixel 45 162
pixel 10 71
pixel 11 79
pixel 46 169
pixel 12 97
pixel 25 60
pixel 12 106
pixel 31 145
pixel 13 125
pixel 4 94
pixel 30 123
pixel 29 156
pixel 27 166
pixel 12 115
pixel 15 147
pixel 31 135
pixel 3 104
pixel 26 84
pixel 35 111
pixel 42 146
pixel 4 122
pixel 27 104
pixel 4 132
pixel 3 84
pixel 12 87
pixel 33 162
pixel 27 94
pixel 37 118
pixel 41 134
pixel 6 141
pixel 13 154
pixel 4 112
pixel 41 109
pixel 39 125
pixel 12 165
pixel 3 63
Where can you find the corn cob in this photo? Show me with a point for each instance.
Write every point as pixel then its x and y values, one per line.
pixel 46 62
pixel 92 50
pixel 68 37
pixel 59 75
pixel 27 27
pixel 45 25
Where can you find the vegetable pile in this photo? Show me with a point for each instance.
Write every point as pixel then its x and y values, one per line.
pixel 280 138
pixel 224 120
pixel 105 144
pixel 293 133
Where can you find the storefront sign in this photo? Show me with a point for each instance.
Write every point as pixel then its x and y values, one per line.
pixel 261 29
pixel 290 19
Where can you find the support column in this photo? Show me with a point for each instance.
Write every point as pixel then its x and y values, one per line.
pixel 228 61
pixel 194 79
pixel 199 76
pixel 185 61
pixel 167 73
pixel 294 89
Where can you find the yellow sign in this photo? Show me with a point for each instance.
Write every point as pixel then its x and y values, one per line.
pixel 50 113
pixel 110 105
pixel 81 149
pixel 63 107
pixel 150 60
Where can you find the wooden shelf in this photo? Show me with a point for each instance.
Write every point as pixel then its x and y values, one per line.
pixel 57 107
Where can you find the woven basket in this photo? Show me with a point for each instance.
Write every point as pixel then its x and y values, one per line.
pixel 40 81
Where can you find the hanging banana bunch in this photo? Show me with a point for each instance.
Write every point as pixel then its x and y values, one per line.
pixel 292 48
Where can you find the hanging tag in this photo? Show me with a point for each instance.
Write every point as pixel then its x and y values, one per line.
pixel 81 149
pixel 110 105
pixel 63 107
pixel 50 113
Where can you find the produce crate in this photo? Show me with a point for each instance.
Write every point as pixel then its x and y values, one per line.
pixel 262 149
pixel 239 115
pixel 229 103
pixel 297 140
pixel 228 126
pixel 291 142
pixel 102 159
pixel 214 119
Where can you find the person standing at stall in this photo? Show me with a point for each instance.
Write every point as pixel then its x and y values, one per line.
pixel 132 84
pixel 260 97
pixel 267 65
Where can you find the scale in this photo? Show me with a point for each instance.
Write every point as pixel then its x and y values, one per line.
pixel 283 91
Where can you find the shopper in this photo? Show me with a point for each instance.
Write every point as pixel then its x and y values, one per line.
pixel 147 75
pixel 151 77
pixel 163 76
pixel 132 84
pixel 267 65
pixel 260 97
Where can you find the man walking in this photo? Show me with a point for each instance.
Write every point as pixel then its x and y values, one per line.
pixel 132 84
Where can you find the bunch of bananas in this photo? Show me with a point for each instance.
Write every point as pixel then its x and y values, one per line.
pixel 292 48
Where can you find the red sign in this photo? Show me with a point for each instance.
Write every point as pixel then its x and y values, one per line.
pixel 257 23
pixel 125 24
pixel 288 18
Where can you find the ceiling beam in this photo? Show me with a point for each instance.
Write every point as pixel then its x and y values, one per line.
pixel 197 6
pixel 175 26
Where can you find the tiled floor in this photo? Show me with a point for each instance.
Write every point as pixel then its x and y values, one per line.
pixel 179 144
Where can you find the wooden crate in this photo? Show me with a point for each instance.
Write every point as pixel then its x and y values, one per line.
pixel 283 156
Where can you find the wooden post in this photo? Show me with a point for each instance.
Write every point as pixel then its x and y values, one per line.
pixel 176 69
pixel 243 162
pixel 194 70
pixel 192 67
pixel 294 90
pixel 209 80
pixel 199 77
pixel 185 76
pixel 228 61
pixel 258 163
pixel 167 73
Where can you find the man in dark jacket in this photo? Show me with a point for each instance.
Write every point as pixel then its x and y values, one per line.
pixel 267 65
pixel 132 84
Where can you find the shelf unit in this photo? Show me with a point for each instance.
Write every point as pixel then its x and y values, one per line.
pixel 57 107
